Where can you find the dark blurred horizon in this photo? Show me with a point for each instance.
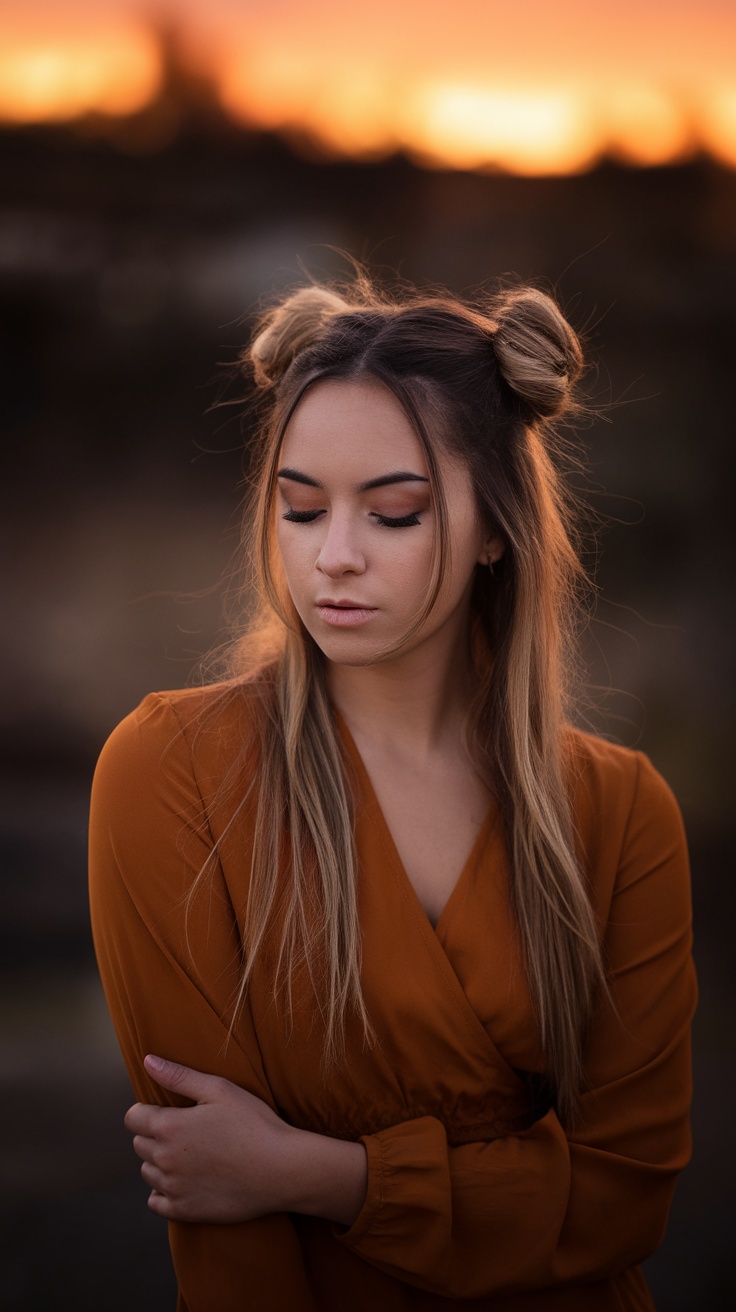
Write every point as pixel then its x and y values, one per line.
pixel 128 282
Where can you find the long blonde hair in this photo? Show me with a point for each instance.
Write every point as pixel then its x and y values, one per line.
pixel 484 381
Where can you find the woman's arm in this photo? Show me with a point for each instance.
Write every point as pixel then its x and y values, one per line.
pixel 170 979
pixel 231 1158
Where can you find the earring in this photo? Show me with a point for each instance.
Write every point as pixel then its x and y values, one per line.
pixel 490 567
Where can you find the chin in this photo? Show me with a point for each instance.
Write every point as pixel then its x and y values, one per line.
pixel 348 653
pixel 354 649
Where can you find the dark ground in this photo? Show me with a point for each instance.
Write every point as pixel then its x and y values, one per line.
pixel 124 280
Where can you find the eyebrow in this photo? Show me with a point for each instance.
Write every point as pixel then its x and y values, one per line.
pixel 385 480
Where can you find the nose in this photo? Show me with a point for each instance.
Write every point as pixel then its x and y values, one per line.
pixel 340 553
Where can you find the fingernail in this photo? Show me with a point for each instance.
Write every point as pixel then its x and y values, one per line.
pixel 154 1063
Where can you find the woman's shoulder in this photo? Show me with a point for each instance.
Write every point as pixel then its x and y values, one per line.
pixel 202 730
pixel 617 789
pixel 168 784
pixel 632 845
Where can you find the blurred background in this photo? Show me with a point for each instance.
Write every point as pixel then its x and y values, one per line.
pixel 162 172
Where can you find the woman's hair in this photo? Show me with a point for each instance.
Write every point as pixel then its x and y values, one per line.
pixel 483 383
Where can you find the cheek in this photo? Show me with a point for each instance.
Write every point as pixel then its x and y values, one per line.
pixel 289 575
pixel 405 562
pixel 292 553
pixel 465 550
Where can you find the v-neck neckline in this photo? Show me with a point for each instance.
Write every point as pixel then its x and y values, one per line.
pixel 442 941
pixel 471 859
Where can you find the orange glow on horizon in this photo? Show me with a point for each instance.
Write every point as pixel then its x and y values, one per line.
pixel 56 80
pixel 717 123
pixel 351 111
pixel 646 126
pixel 518 107
pixel 528 132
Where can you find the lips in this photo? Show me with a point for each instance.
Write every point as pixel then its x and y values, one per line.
pixel 344 613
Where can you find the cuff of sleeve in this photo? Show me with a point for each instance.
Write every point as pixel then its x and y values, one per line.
pixel 408 1183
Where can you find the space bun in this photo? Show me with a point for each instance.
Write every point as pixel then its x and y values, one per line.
pixel 289 328
pixel 537 351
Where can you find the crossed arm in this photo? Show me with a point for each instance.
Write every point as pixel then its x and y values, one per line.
pixel 230 1158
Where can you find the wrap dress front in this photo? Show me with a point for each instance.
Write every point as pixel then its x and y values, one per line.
pixel 477 1198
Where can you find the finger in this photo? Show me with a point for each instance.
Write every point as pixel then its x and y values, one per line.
pixel 144 1148
pixel 160 1204
pixel 153 1176
pixel 141 1118
pixel 181 1079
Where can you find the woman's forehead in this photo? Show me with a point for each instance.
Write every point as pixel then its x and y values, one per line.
pixel 345 433
pixel 356 421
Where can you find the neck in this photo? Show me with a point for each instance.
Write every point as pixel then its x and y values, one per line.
pixel 418 699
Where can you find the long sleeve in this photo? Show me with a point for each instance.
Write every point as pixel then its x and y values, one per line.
pixel 149 840
pixel 541 1208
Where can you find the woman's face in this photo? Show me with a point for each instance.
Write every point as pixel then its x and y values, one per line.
pixel 355 524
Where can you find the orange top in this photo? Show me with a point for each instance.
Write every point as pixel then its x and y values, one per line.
pixel 477 1198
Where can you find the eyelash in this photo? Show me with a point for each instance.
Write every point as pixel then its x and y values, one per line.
pixel 308 516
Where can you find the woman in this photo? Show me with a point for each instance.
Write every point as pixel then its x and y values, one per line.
pixel 399 961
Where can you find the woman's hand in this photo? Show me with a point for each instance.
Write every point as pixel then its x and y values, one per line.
pixel 230 1158
pixel 221 1160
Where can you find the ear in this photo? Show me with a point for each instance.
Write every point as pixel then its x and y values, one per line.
pixel 493 549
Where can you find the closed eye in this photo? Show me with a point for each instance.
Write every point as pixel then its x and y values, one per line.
pixel 403 521
pixel 301 516
pixel 386 521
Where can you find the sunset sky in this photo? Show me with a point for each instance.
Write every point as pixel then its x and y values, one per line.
pixel 536 87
